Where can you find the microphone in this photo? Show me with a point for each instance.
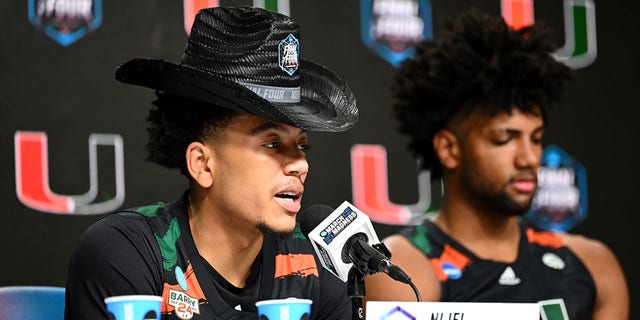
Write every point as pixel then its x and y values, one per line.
pixel 344 238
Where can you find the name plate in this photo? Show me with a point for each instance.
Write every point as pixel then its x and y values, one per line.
pixel 403 310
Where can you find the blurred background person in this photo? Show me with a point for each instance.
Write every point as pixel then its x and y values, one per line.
pixel 474 103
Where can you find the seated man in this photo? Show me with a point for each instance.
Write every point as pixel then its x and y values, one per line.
pixel 474 104
pixel 233 116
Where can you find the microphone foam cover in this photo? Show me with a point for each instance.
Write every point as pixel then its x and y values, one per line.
pixel 311 217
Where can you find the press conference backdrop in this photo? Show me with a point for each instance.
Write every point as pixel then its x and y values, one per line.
pixel 73 137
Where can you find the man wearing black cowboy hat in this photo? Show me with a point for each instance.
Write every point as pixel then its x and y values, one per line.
pixel 233 116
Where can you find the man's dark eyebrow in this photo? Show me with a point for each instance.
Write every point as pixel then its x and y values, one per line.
pixel 538 129
pixel 518 131
pixel 268 125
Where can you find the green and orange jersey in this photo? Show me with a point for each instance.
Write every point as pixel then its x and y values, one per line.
pixel 545 269
pixel 149 250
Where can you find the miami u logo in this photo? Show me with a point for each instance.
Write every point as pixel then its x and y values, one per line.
pixel 32 176
pixel 580 48
pixel 371 191
pixel 191 8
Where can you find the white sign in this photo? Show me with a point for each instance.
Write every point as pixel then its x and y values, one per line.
pixel 402 310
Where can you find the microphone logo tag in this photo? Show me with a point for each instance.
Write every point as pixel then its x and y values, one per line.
pixel 338 225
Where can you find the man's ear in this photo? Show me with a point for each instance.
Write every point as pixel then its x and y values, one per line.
pixel 447 148
pixel 200 164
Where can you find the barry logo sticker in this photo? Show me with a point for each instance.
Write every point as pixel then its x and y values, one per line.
pixel 182 299
pixel 185 306
pixel 288 54
pixel 66 21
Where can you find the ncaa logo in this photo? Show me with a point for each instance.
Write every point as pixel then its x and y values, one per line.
pixel 66 21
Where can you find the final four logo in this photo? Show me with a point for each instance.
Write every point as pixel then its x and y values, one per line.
pixel 560 202
pixel 288 54
pixel 66 21
pixel 391 28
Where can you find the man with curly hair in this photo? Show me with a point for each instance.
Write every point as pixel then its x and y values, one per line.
pixel 474 103
pixel 233 117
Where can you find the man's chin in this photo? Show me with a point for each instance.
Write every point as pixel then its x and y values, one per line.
pixel 513 206
pixel 520 208
pixel 271 231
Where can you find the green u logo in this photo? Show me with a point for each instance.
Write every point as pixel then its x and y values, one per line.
pixel 580 48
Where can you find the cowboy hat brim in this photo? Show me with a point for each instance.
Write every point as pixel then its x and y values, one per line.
pixel 326 103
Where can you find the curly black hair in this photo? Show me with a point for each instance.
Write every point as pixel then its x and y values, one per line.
pixel 175 122
pixel 477 63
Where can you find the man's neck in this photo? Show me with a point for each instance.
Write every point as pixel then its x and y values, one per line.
pixel 489 235
pixel 230 249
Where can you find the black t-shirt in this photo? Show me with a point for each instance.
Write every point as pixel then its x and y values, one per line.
pixel 234 296
pixel 150 251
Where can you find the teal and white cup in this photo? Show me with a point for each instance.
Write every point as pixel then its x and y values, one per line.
pixel 134 307
pixel 284 309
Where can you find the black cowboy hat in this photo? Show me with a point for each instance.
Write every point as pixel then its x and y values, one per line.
pixel 247 59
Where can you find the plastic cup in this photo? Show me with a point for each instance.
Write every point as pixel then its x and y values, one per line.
pixel 284 309
pixel 133 307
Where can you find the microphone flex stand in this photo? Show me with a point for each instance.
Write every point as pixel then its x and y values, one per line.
pixel 356 290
